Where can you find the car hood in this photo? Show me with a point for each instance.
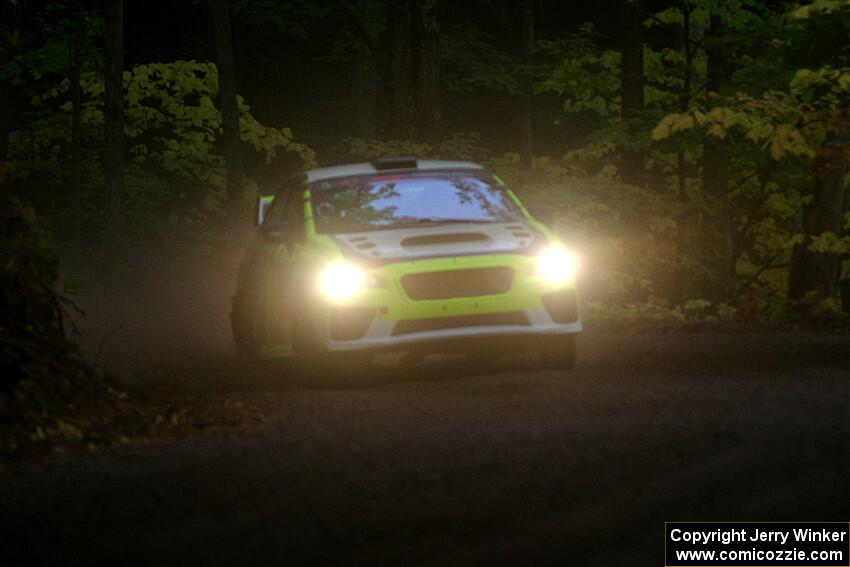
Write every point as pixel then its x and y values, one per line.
pixel 461 239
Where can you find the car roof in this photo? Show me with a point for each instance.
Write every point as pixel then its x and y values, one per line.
pixel 366 168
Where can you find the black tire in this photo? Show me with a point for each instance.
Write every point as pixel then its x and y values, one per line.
pixel 241 342
pixel 306 350
pixel 559 353
pixel 313 363
pixel 317 366
pixel 248 359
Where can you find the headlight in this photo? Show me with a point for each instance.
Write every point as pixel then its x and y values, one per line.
pixel 556 265
pixel 341 281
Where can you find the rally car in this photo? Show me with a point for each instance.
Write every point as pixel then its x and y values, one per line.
pixel 402 255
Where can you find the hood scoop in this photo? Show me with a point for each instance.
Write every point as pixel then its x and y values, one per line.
pixel 446 238
pixel 434 242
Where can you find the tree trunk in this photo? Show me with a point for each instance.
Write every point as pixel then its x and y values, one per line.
pixel 844 284
pixel 114 117
pixel 7 111
pixel 369 72
pixel 713 179
pixel 400 24
pixel 10 26
pixel 685 93
pixel 428 103
pixel 364 93
pixel 817 272
pixel 76 102
pixel 631 93
pixel 526 98
pixel 231 134
pixel 689 229
pixel 711 170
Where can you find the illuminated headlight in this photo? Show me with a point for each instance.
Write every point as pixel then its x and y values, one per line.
pixel 556 265
pixel 341 281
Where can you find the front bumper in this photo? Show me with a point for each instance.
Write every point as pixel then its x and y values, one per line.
pixel 391 316
pixel 383 334
pixel 390 334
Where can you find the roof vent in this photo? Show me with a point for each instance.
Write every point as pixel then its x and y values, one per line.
pixel 394 162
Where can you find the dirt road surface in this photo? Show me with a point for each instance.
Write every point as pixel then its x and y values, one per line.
pixel 444 464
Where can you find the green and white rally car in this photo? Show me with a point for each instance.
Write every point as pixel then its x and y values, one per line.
pixel 402 255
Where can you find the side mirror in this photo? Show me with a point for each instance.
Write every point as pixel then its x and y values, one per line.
pixel 263 203
pixel 546 215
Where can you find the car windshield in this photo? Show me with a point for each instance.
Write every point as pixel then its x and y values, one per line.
pixel 380 202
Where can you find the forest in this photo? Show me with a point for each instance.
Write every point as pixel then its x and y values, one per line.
pixel 694 151
pixel 670 341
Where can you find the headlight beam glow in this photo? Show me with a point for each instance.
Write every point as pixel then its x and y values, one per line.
pixel 556 265
pixel 341 281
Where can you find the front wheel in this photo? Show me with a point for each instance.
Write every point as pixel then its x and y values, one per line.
pixel 306 349
pixel 559 353
pixel 316 365
pixel 244 344
pixel 253 368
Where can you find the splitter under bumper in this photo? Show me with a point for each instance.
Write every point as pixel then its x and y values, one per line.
pixel 527 327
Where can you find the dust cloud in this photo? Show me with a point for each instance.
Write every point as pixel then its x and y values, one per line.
pixel 165 318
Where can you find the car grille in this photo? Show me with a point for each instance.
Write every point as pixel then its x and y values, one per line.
pixel 458 283
pixel 410 326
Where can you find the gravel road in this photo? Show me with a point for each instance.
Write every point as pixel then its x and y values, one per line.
pixel 443 464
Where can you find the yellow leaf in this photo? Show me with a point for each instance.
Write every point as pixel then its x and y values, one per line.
pixel 684 122
pixel 776 148
pixel 663 129
pixel 718 130
pixel 660 132
pixel 728 117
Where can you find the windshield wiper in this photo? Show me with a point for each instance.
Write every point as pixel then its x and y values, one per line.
pixel 439 221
